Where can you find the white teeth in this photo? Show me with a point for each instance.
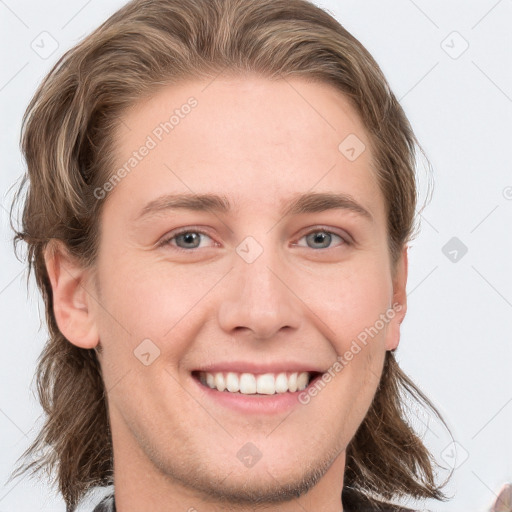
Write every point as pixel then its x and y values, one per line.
pixel 265 384
pixel 232 382
pixel 219 382
pixel 292 383
pixel 281 383
pixel 302 381
pixel 249 384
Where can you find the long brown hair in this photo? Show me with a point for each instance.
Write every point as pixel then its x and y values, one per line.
pixel 67 141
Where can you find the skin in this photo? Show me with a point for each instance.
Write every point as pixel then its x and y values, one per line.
pixel 258 142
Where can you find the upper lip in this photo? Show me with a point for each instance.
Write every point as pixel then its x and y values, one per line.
pixel 253 367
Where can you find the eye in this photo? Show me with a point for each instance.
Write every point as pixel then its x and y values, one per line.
pixel 189 239
pixel 322 238
pixel 184 240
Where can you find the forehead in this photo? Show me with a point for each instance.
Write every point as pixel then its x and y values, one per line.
pixel 255 140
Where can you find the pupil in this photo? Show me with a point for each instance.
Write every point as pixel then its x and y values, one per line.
pixel 189 238
pixel 321 238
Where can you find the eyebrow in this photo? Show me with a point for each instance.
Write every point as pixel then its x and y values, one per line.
pixel 311 202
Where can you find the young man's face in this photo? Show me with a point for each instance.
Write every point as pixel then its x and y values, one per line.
pixel 252 289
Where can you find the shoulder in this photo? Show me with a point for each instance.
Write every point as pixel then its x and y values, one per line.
pixel 378 507
pixel 107 504
pixel 358 502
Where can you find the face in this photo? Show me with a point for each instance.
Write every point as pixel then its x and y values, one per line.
pixel 250 281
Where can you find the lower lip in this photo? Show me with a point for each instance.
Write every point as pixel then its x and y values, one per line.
pixel 260 404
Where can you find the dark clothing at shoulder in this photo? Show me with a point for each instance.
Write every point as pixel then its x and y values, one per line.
pixel 379 508
pixel 355 501
pixel 106 505
pixel 382 508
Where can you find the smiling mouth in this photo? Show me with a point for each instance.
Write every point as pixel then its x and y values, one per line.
pixel 254 383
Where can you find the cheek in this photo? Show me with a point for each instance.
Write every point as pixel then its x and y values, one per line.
pixel 351 300
pixel 141 301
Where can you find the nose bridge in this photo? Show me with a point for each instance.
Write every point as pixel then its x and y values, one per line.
pixel 259 298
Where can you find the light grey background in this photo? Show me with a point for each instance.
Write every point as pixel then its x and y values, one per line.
pixel 456 337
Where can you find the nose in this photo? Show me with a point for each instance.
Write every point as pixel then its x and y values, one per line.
pixel 259 298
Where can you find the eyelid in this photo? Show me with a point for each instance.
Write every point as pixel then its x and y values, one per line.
pixel 328 229
pixel 347 239
pixel 166 240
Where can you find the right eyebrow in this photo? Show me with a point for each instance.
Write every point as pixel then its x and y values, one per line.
pixel 195 202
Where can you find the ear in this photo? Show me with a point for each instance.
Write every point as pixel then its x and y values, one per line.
pixel 399 303
pixel 72 300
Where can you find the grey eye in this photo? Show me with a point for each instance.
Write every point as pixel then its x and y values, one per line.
pixel 320 239
pixel 191 239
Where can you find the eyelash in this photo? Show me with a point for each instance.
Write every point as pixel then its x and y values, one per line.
pixel 167 240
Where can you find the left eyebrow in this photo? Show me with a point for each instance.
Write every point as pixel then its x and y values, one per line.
pixel 314 202
pixel 311 202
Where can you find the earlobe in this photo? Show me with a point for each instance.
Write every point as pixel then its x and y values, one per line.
pixel 399 303
pixel 71 298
